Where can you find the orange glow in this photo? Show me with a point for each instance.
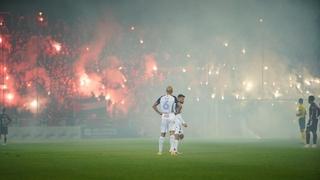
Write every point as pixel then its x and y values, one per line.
pixel 84 80
pixel 57 46
pixel 10 96
pixel 34 104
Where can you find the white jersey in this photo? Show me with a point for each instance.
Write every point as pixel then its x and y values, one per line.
pixel 178 124
pixel 167 104
pixel 167 108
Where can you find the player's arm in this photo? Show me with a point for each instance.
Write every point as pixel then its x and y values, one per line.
pixel 184 124
pixel 178 108
pixel 10 120
pixel 310 116
pixel 318 111
pixel 155 106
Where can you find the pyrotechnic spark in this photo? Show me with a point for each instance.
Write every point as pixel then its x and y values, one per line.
pixel 40 19
pixel 4 86
pixel 84 80
pixel 57 46
pixel 34 104
pixel 122 102
pixel 155 68
pixel 108 97
pixel 298 85
pixel 243 51
pixel 10 96
pixel 248 85
pixel 277 94
pixel 307 82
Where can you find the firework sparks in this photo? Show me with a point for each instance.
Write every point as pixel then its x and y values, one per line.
pixel 243 51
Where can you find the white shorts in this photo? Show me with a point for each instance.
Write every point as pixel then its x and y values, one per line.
pixel 167 122
pixel 178 124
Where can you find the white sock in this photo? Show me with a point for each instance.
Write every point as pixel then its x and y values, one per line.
pixel 176 143
pixel 161 140
pixel 171 142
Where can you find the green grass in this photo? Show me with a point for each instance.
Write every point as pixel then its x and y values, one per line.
pixel 137 159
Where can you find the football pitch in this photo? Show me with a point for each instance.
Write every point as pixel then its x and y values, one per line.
pixel 137 159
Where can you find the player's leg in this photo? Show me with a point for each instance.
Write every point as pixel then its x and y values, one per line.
pixel 5 132
pixel 314 133
pixel 171 141
pixel 161 141
pixel 307 137
pixel 315 137
pixel 302 124
pixel 163 131
pixel 171 131
pixel 178 130
pixel 176 142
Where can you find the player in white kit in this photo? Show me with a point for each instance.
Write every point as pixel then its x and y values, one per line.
pixel 167 111
pixel 179 123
